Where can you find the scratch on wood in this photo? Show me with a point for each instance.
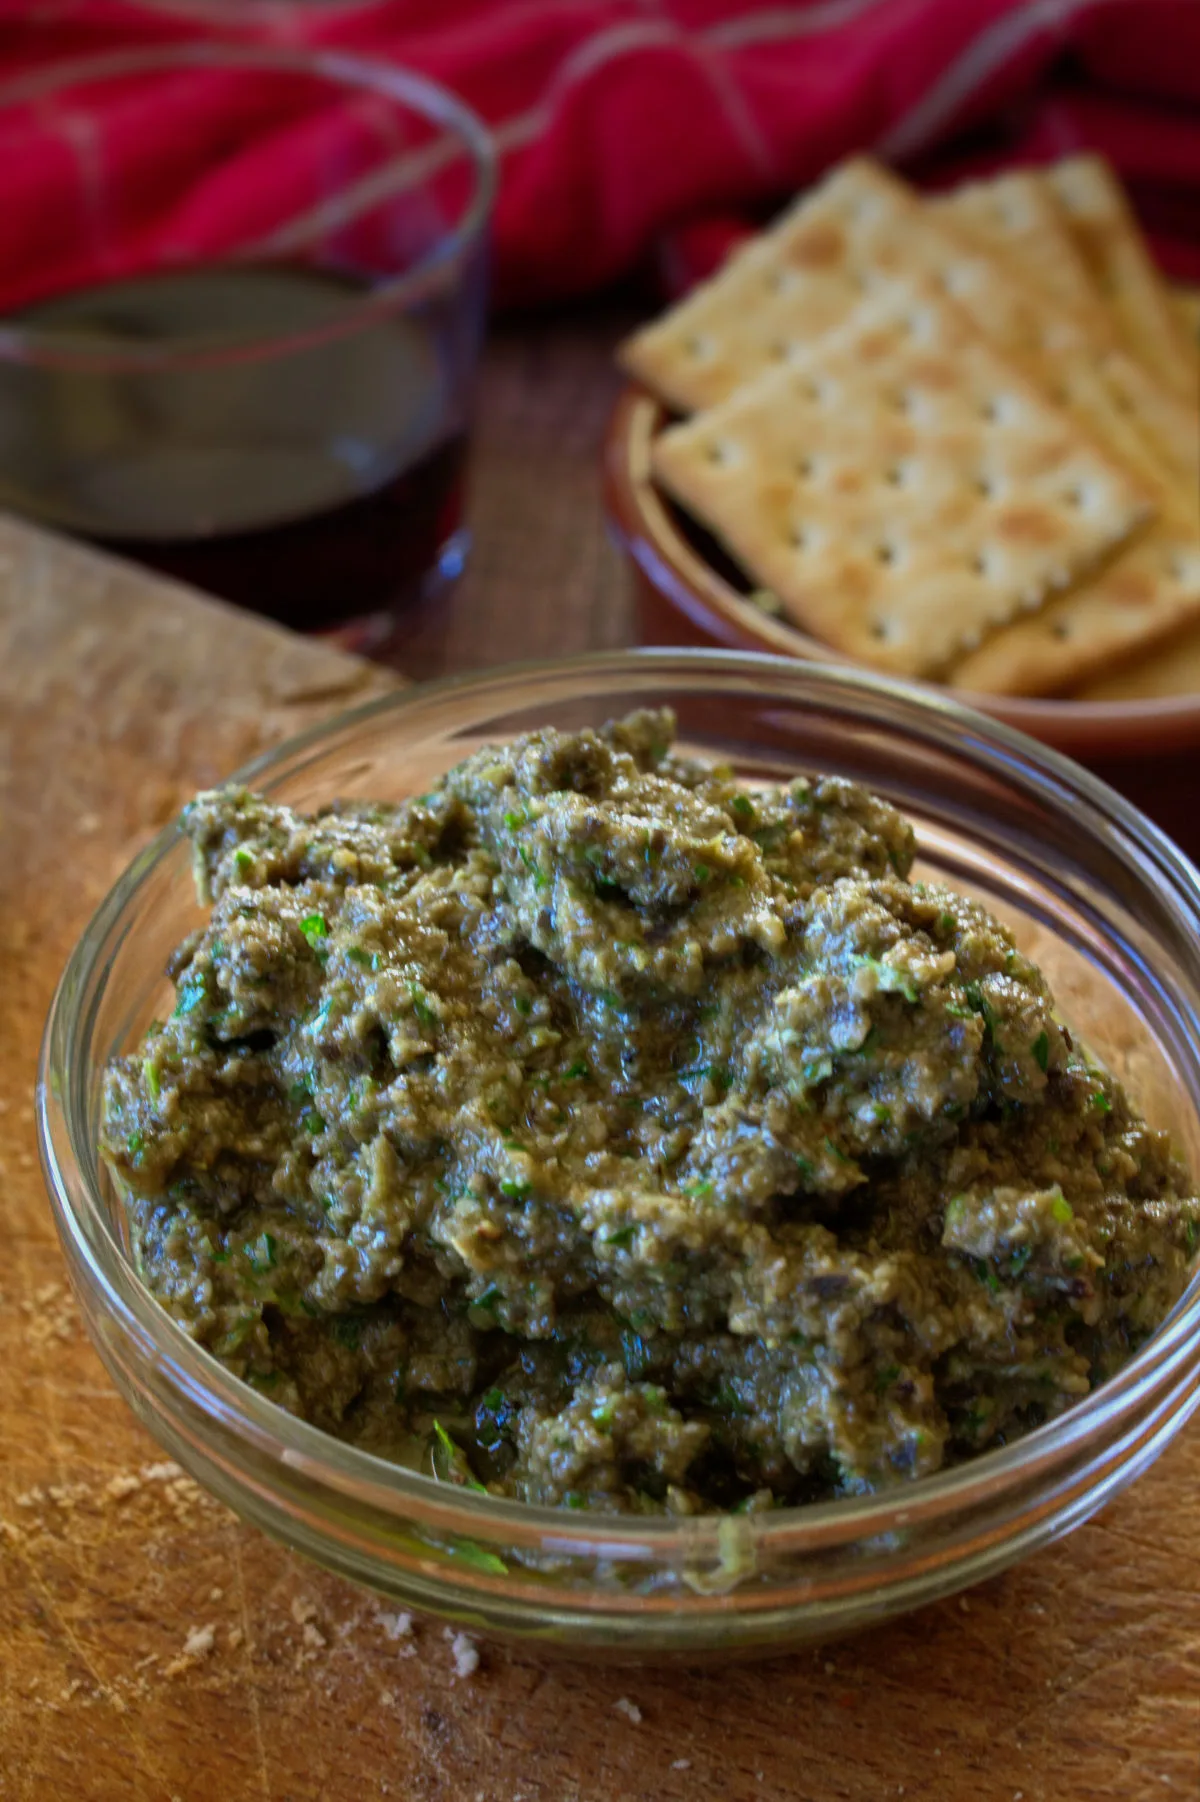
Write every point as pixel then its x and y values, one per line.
pixel 248 1674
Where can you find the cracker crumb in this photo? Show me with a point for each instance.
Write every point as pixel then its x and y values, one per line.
pixel 199 1642
pixel 122 1485
pixel 314 1637
pixel 682 1764
pixel 629 1709
pixel 235 1637
pixel 303 1611
pixel 164 1472
pixel 964 1604
pixel 395 1626
pixel 830 1669
pixel 216 1594
pixel 464 1652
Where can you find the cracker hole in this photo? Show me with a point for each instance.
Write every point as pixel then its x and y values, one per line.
pixel 798 537
pixel 1177 568
pixel 696 345
pixel 885 553
pixel 981 563
pixel 806 468
pixel 780 281
pixel 1060 629
pixel 780 350
pixel 897 475
pixel 985 485
pixel 881 628
pixel 719 452
pixel 812 389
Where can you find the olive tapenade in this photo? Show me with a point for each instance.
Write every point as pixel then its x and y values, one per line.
pixel 597 1130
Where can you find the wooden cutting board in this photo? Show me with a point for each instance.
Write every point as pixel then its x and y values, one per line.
pixel 153 1649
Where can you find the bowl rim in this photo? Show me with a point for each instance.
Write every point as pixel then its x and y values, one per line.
pixel 71 1167
pixel 641 523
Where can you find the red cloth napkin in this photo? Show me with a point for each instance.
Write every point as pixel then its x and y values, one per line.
pixel 624 127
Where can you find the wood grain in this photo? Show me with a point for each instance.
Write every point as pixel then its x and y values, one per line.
pixel 1075 1678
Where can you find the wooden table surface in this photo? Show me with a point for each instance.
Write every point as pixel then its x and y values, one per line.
pixel 151 1647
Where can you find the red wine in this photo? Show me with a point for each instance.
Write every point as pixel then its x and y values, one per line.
pixel 318 482
pixel 314 573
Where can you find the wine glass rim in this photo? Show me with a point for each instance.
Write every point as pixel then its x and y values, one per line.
pixel 463 133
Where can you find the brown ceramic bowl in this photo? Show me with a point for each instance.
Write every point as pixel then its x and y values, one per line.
pixel 688 593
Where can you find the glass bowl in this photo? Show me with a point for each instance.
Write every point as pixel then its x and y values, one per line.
pixel 1097 894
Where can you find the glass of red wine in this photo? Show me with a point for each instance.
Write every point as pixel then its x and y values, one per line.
pixel 242 292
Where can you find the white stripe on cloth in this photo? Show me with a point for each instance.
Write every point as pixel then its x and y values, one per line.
pixel 982 58
pixel 512 134
pixel 790 22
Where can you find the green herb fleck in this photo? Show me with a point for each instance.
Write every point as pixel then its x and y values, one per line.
pixel 243 859
pixel 192 993
pixel 313 927
pixel 1101 1103
pixel 150 1077
pixel 347 1330
pixel 422 1008
pixel 515 1191
pixel 986 1275
pixel 523 1004
pixel 885 1378
pixel 623 1237
pixel 1062 1210
pixel 260 1255
pixel 135 1144
pixel 1041 1050
pixel 478 1557
pixel 577 1072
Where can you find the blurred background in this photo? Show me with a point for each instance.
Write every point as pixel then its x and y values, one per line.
pixel 280 318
